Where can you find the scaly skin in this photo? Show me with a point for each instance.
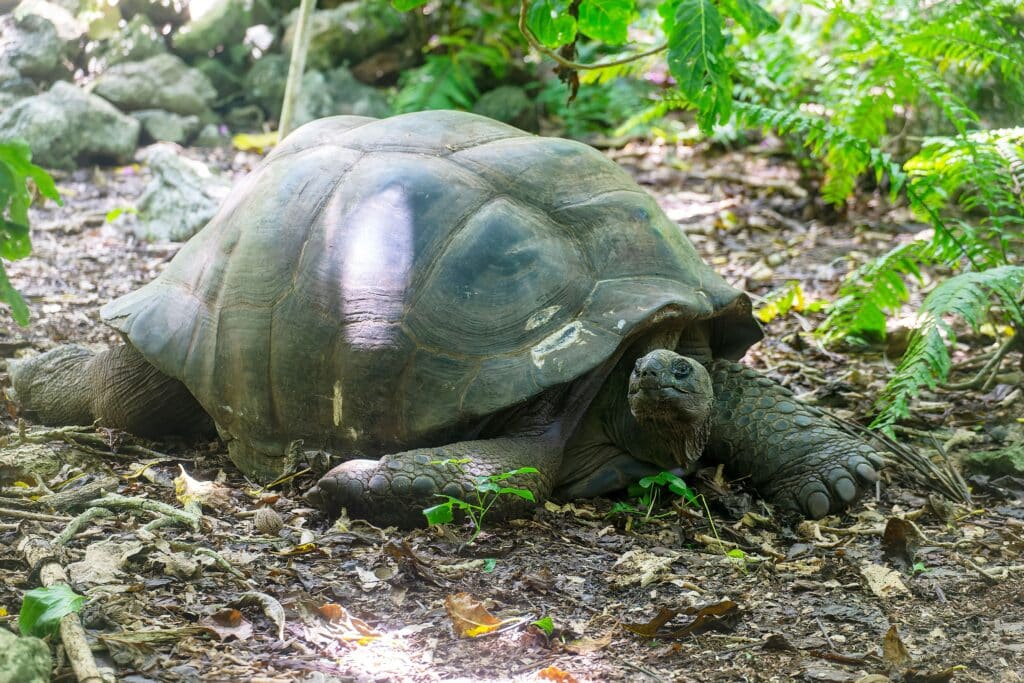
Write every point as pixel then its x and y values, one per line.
pixel 396 488
pixel 791 452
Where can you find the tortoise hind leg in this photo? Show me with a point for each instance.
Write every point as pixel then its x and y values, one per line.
pixel 396 489
pixel 117 387
pixel 792 453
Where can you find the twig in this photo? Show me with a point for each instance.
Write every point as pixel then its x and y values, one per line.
pixel 39 552
pixel 34 516
pixel 568 63
pixel 986 377
pixel 114 500
pixel 78 522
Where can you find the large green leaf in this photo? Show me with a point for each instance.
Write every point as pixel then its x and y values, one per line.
pixel 9 295
pixel 551 22
pixel 607 20
pixel 696 57
pixel 43 608
pixel 751 16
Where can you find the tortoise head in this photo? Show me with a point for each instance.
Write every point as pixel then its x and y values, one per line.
pixel 673 396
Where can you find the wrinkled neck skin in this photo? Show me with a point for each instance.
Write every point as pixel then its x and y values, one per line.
pixel 665 438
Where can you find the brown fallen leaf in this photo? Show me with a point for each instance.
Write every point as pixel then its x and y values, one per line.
pixel 353 629
pixel 894 652
pixel 720 616
pixel 208 494
pixel 900 541
pixel 469 617
pixel 587 645
pixel 228 623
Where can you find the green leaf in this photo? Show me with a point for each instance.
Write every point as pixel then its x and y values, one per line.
pixel 737 553
pixel 525 494
pixel 696 58
pixel 406 5
pixel 751 16
pixel 544 624
pixel 551 23
pixel 607 20
pixel 9 295
pixel 489 564
pixel 439 514
pixel 14 240
pixel 512 473
pixel 43 608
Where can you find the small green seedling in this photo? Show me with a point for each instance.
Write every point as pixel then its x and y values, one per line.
pixel 648 492
pixel 545 624
pixel 488 490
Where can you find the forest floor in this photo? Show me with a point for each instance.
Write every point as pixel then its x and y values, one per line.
pixel 747 595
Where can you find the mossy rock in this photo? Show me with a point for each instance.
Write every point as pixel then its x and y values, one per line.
pixel 996 463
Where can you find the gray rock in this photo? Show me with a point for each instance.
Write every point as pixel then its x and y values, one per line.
pixel 160 82
pixel 181 198
pixel 224 80
pixel 248 117
pixel 159 12
pixel 69 28
pixel 211 136
pixel 350 32
pixel 337 92
pixel 264 83
pixel 509 104
pixel 67 125
pixel 224 24
pixel 19 463
pixel 163 126
pixel 322 94
pixel 135 42
pixel 30 44
pixel 23 660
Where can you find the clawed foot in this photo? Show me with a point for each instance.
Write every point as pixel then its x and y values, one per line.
pixel 830 479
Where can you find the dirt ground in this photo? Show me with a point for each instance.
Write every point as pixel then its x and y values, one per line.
pixel 744 594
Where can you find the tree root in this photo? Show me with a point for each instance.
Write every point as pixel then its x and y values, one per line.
pixel 39 553
pixel 985 378
pixel 83 438
pixel 190 516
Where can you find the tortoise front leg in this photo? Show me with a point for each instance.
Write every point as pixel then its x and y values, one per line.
pixel 395 489
pixel 792 453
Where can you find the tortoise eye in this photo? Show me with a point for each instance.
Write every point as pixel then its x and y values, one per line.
pixel 682 370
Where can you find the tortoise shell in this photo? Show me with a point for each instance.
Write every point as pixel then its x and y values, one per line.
pixel 378 285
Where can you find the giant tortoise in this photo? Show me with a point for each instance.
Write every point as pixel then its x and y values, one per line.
pixel 438 296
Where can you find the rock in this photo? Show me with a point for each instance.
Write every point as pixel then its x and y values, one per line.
pixel 67 125
pixel 348 33
pixel 322 94
pixel 248 117
pixel 211 136
pixel 264 83
pixel 23 660
pixel 174 12
pixel 19 463
pixel 135 42
pixel 181 198
pixel 70 30
pixel 160 82
pixel 224 23
pixel 337 92
pixel 224 80
pixel 14 86
pixel 509 104
pixel 163 126
pixel 31 45
pixel 996 463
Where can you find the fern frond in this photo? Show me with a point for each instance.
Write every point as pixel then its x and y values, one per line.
pixel 873 291
pixel 969 296
pixel 443 82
